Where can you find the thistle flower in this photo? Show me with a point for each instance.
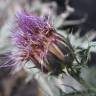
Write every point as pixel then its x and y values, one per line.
pixel 37 40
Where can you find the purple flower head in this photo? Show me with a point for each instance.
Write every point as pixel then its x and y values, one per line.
pixel 32 28
pixel 36 40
